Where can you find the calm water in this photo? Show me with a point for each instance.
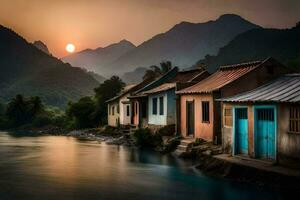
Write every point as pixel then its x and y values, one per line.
pixel 58 167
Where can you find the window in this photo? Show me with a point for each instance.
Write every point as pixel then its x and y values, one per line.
pixel 118 109
pixel 205 111
pixel 228 116
pixel 295 119
pixel 109 107
pixel 113 110
pixel 127 110
pixel 161 105
pixel 154 106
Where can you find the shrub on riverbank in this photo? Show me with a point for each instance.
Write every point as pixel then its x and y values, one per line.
pixel 145 138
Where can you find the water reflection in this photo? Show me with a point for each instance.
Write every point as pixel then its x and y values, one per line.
pixel 57 167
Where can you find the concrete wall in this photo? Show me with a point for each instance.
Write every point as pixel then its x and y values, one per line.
pixel 202 130
pixel 113 119
pixel 288 143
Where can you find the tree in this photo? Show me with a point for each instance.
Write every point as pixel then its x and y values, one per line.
pixel 156 71
pixel 17 110
pixel 82 112
pixel 20 111
pixel 107 90
pixel 36 105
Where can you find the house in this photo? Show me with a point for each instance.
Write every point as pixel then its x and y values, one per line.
pixel 264 123
pixel 162 102
pixel 201 113
pixel 119 107
pixel 139 99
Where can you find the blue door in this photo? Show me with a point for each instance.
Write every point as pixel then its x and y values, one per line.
pixel 241 130
pixel 265 133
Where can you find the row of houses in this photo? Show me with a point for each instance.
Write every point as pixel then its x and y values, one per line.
pixel 252 109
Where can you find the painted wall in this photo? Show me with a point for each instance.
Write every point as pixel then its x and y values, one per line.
pixel 169 115
pixel 124 119
pixel 202 130
pixel 288 143
pixel 157 119
pixel 113 117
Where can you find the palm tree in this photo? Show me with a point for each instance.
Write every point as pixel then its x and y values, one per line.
pixel 36 105
pixel 156 71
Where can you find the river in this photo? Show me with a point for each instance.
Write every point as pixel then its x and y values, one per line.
pixel 59 167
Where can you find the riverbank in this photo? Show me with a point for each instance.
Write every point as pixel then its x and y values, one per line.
pixel 247 170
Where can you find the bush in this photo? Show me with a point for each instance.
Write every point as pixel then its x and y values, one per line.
pixel 168 130
pixel 145 138
pixel 41 120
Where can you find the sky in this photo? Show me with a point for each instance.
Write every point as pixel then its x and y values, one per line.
pixel 98 23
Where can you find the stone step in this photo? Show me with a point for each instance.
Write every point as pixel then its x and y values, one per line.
pixel 186 142
pixel 182 147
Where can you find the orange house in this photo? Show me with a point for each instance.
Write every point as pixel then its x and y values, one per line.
pixel 200 112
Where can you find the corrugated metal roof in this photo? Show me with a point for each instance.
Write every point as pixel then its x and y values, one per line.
pixel 283 89
pixel 224 76
pixel 182 76
pixel 161 88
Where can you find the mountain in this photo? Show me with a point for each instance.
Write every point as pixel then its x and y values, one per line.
pixel 134 76
pixel 41 46
pixel 98 59
pixel 281 44
pixel 97 77
pixel 29 71
pixel 183 44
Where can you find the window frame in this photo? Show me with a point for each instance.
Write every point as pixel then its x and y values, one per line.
pixel 294 119
pixel 228 116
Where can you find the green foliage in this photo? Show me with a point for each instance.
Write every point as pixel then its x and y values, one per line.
pixel 168 130
pixel 107 90
pixel 21 111
pixel 145 138
pixel 156 71
pixel 27 70
pixel 82 112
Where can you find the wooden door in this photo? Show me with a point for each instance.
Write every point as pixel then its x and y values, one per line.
pixel 190 118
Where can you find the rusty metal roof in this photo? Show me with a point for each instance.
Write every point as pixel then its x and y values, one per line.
pixel 222 77
pixel 283 89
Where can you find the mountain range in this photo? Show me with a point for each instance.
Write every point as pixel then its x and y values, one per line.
pixel 27 70
pixel 96 59
pixel 183 45
pixel 258 44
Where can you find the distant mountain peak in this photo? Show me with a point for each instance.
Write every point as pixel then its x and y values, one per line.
pixel 41 46
pixel 229 17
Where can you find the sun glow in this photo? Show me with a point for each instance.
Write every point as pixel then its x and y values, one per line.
pixel 70 48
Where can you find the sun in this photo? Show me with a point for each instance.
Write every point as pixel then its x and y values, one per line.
pixel 70 48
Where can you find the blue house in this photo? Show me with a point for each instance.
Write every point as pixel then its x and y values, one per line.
pixel 163 106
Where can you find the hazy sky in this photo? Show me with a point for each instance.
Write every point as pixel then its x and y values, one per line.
pixel 95 23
